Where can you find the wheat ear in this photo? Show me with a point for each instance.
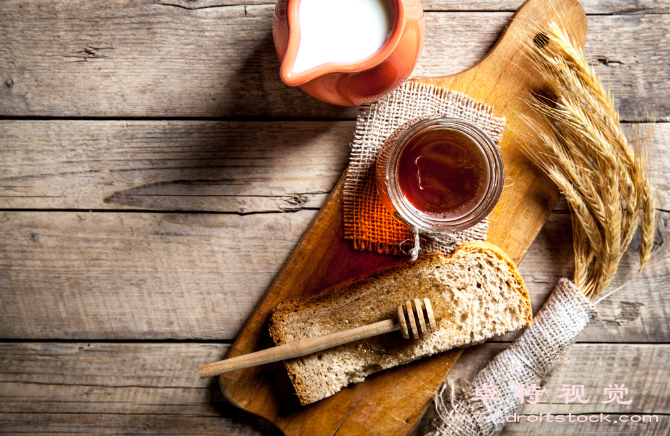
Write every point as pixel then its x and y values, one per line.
pixel 604 179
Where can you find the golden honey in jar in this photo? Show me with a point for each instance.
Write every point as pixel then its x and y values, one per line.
pixel 440 175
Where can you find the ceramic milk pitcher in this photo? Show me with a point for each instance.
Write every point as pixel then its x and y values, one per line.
pixel 347 52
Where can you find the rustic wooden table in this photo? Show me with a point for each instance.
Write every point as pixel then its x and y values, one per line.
pixel 155 174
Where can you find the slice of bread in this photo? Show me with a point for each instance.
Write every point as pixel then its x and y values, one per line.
pixel 476 293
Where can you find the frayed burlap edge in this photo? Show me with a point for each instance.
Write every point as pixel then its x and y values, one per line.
pixel 527 361
pixel 366 221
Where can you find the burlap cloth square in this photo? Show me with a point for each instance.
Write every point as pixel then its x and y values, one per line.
pixel 366 220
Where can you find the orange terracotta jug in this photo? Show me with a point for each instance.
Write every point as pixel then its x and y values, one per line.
pixel 360 82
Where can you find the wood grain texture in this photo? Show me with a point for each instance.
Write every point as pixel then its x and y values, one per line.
pixel 242 167
pixel 129 276
pixel 87 388
pixel 94 388
pixel 139 58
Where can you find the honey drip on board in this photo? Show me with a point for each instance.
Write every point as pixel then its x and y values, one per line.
pixel 443 173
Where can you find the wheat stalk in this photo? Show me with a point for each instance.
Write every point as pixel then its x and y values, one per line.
pixel 604 179
pixel 646 197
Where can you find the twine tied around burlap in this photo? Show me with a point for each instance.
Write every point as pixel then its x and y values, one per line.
pixel 366 220
pixel 527 361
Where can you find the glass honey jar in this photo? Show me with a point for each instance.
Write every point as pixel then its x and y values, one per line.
pixel 440 175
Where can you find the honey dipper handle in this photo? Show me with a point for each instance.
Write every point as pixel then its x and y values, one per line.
pixel 295 349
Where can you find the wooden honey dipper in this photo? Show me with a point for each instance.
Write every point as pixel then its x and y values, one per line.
pixel 304 347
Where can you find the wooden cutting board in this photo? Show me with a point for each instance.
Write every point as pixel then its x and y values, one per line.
pixel 393 401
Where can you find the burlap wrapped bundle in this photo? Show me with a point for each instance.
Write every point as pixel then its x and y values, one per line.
pixel 527 361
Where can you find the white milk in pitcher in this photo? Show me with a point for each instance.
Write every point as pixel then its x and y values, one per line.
pixel 343 31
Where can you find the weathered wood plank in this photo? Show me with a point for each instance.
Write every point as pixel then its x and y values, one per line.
pixel 590 6
pixel 102 388
pixel 138 58
pixel 133 276
pixel 191 165
pixel 116 389
pixel 155 276
pixel 171 165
